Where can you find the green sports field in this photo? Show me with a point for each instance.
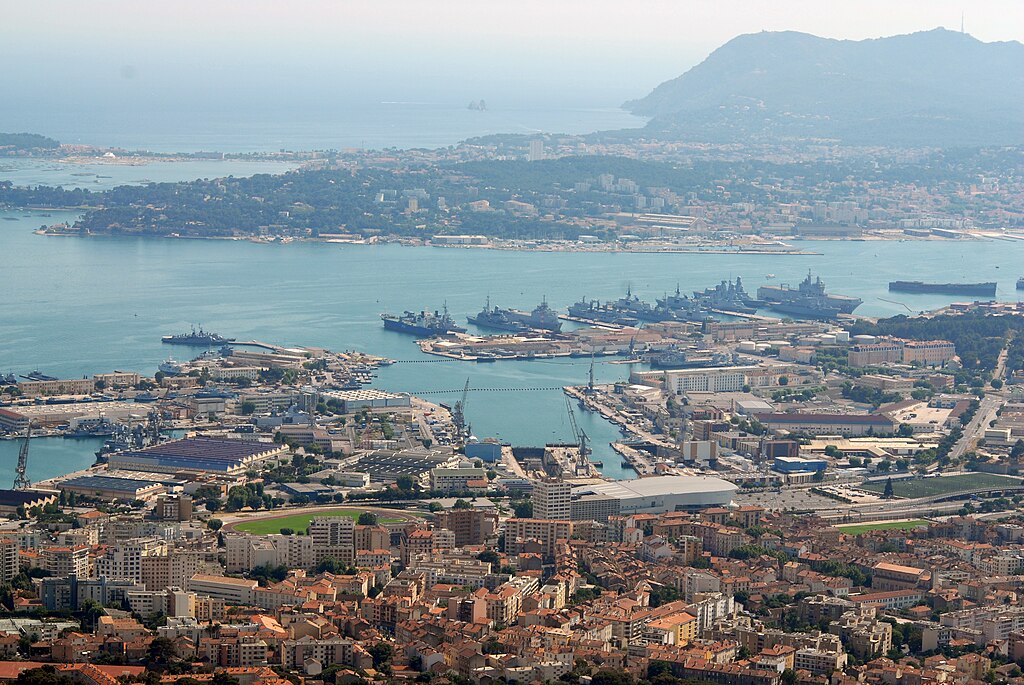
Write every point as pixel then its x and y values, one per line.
pixel 910 488
pixel 858 528
pixel 297 522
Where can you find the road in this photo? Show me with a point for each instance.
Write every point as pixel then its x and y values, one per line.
pixel 989 405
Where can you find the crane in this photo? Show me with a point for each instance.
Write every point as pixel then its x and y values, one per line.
pixel 21 481
pixel 459 414
pixel 581 438
pixel 590 380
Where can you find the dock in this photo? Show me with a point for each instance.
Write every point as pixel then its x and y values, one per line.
pixel 741 315
pixel 591 322
pixel 263 345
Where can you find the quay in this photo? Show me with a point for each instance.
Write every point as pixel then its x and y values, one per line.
pixel 591 322
pixel 741 315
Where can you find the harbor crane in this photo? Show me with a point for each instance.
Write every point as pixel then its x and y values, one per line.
pixel 459 414
pixel 21 481
pixel 581 438
pixel 590 380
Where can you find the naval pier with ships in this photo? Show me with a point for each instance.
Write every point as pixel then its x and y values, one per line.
pixel 630 327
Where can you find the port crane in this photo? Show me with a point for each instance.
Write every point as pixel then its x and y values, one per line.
pixel 590 379
pixel 581 439
pixel 459 414
pixel 21 481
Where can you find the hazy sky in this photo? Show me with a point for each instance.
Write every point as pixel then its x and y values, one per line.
pixel 185 54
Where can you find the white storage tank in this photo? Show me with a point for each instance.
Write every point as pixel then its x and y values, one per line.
pixel 828 339
pixel 843 336
pixel 864 339
pixel 747 346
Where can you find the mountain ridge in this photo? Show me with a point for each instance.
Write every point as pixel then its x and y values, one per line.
pixel 930 87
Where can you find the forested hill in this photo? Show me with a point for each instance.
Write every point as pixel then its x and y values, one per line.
pixel 935 87
pixel 548 199
pixel 21 142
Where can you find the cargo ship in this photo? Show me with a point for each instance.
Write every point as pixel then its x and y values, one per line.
pixel 985 289
pixel 808 300
pixel 542 317
pixel 497 319
pixel 196 338
pixel 426 324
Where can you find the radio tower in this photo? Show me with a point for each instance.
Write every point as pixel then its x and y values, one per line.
pixel 21 481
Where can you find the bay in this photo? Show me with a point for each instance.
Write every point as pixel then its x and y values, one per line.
pixel 79 306
pixel 104 175
pixel 48 457
pixel 372 125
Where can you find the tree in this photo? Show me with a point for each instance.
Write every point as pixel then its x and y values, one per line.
pixel 905 430
pixel 1017 451
pixel 247 408
pixel 888 493
pixel 435 506
pixel 381 654
pixel 405 483
pixel 608 676
pixel 223 678
pixel 214 524
pixel 490 556
pixel 161 652
pixel 44 675
pixel 367 518
pixel 783 380
pixel 462 504
pixel 523 509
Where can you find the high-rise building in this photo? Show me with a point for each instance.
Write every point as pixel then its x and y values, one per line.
pixel 552 500
pixel 470 526
pixel 65 561
pixel 536 150
pixel 333 536
pixel 9 560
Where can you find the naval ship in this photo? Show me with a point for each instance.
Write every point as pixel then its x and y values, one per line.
pixel 196 338
pixel 497 319
pixel 808 300
pixel 426 324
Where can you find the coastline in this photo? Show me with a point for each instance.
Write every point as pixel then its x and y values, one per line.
pixel 639 247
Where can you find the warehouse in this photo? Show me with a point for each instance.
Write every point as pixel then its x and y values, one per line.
pixel 829 424
pixel 653 495
pixel 111 488
pixel 367 398
pixel 198 455
pixel 11 500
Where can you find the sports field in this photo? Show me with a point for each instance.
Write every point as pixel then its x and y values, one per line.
pixel 858 528
pixel 297 522
pixel 910 488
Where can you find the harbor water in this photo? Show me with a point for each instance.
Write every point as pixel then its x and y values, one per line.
pixel 75 306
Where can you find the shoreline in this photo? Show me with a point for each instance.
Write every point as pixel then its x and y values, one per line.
pixel 611 248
